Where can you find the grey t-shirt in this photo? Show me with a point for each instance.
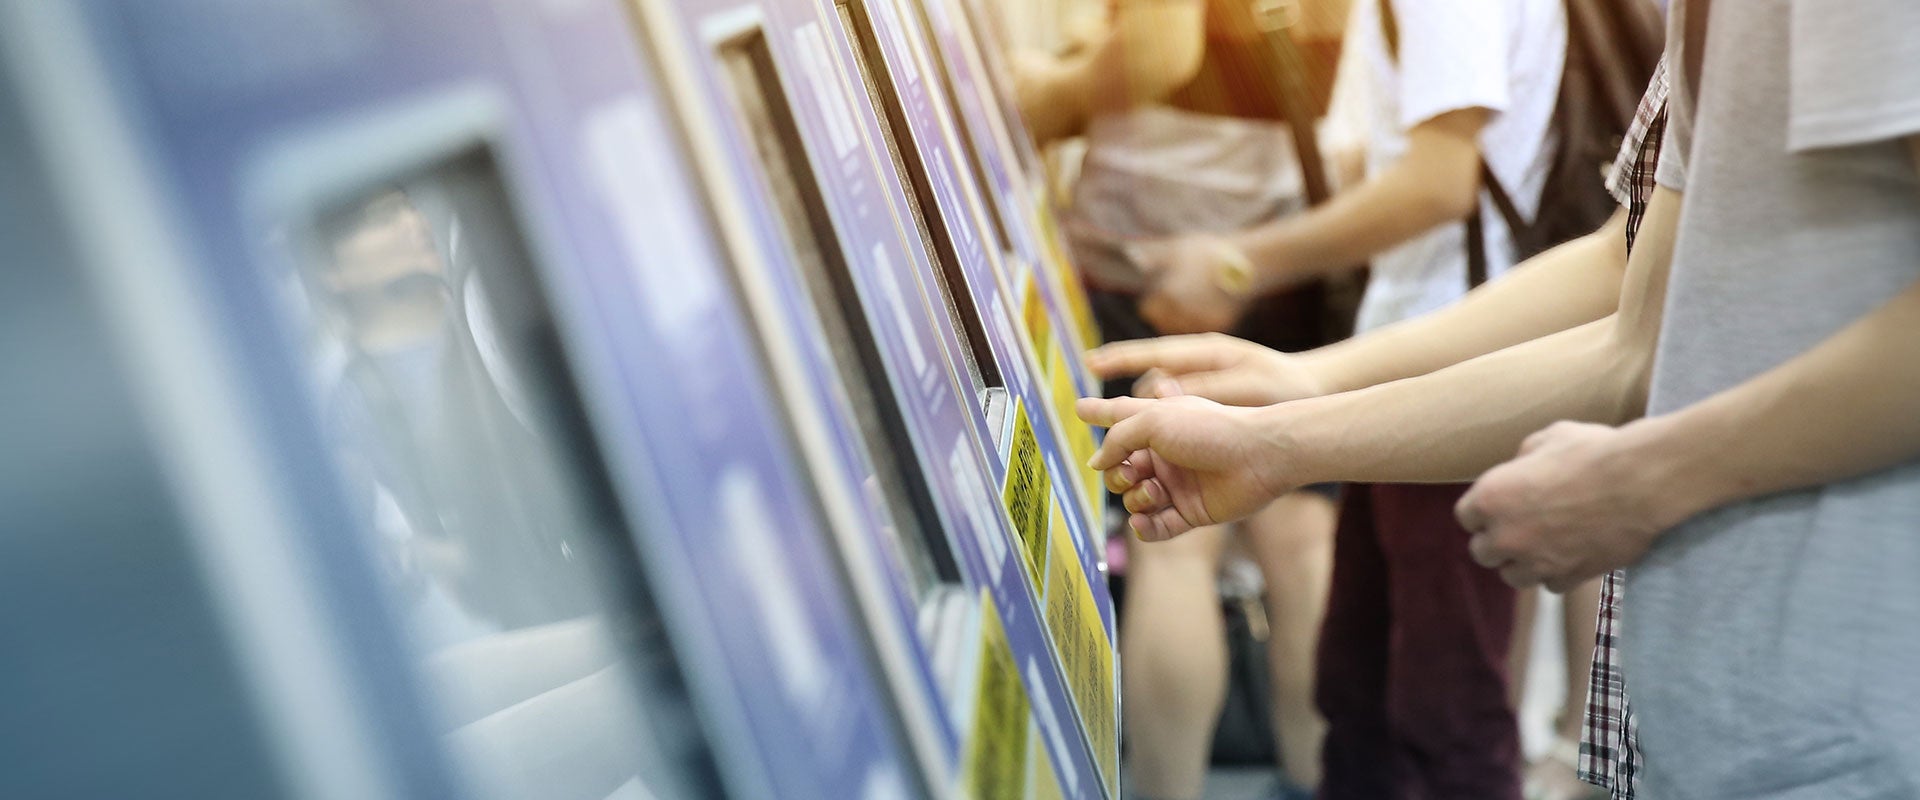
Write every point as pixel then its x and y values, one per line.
pixel 1772 648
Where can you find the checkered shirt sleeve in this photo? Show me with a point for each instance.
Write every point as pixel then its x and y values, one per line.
pixel 1610 740
pixel 1630 181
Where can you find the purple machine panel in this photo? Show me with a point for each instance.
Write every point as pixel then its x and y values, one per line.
pixel 480 311
pixel 783 107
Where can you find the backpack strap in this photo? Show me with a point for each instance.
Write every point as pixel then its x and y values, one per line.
pixel 1476 230
pixel 1476 243
pixel 1275 18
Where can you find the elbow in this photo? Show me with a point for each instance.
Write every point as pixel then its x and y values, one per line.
pixel 1631 357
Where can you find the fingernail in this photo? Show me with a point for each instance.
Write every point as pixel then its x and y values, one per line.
pixel 1167 387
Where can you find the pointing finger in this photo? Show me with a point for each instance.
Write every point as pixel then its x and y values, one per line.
pixel 1107 412
pixel 1174 354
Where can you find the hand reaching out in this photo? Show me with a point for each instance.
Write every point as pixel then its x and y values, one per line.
pixel 1185 462
pixel 1215 366
pixel 1189 290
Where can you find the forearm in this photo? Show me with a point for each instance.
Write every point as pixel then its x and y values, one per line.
pixel 1453 424
pixel 1436 182
pixel 1844 408
pixel 1570 285
pixel 1346 230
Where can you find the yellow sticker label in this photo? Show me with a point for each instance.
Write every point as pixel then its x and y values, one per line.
pixel 1045 784
pixel 1086 656
pixel 1034 309
pixel 1079 434
pixel 996 763
pixel 1027 493
pixel 1060 263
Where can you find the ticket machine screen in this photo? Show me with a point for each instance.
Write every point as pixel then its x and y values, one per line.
pixel 453 419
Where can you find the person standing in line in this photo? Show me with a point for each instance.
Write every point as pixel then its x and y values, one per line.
pixel 1577 283
pixel 1739 434
pixel 1187 131
pixel 1412 673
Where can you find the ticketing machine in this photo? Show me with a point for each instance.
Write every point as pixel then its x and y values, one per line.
pixel 582 398
pixel 839 202
pixel 476 507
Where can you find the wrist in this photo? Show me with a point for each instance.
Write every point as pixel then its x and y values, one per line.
pixel 1325 370
pixel 1290 435
pixel 1675 476
pixel 1233 271
pixel 1268 249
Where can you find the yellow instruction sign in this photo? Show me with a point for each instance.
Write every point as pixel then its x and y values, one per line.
pixel 1086 656
pixel 1079 434
pixel 1027 494
pixel 996 763
pixel 1034 309
pixel 1046 783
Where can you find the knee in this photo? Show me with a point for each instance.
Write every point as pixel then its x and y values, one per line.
pixel 1193 556
pixel 1297 530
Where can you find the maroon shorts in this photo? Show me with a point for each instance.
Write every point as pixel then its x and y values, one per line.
pixel 1412 672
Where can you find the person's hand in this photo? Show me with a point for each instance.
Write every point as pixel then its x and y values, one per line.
pixel 1215 366
pixel 1188 283
pixel 1574 504
pixel 1185 462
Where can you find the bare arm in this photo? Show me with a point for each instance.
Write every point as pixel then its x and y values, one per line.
pixel 1152 48
pixel 1452 424
pixel 1436 182
pixel 1570 285
pixel 1579 499
pixel 1185 462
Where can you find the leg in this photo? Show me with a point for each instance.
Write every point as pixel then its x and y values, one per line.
pixel 1579 610
pixel 1173 654
pixel 1525 605
pixel 1447 683
pixel 1292 541
pixel 1357 757
pixel 1557 777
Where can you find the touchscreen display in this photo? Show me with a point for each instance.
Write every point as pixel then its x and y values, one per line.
pixel 453 419
pixel 895 482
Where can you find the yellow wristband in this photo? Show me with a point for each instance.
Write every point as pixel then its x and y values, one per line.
pixel 1233 273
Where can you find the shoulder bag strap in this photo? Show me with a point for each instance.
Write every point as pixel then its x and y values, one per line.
pixel 1502 202
pixel 1275 18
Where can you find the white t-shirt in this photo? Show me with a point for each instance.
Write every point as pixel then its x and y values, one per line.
pixel 1501 55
